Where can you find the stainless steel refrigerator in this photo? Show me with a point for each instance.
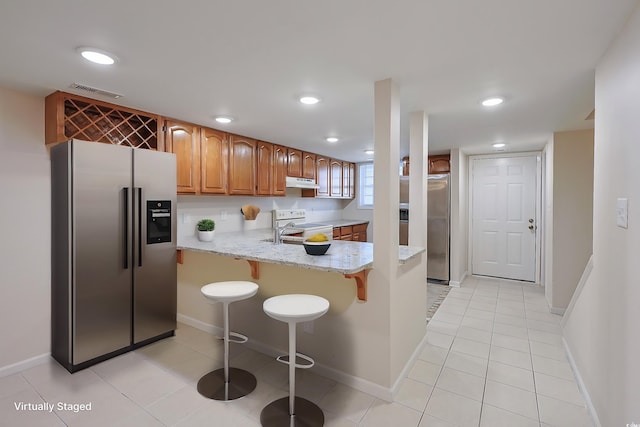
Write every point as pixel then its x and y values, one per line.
pixel 113 250
pixel 438 219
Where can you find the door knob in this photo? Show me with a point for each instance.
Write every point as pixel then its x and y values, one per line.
pixel 531 227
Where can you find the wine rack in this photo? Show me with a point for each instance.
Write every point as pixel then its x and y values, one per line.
pixel 69 116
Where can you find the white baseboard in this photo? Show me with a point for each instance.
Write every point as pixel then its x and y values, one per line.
pixel 583 389
pixel 358 383
pixel 557 310
pixel 14 368
pixel 457 283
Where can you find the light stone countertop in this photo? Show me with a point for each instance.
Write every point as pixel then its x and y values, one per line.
pixel 342 257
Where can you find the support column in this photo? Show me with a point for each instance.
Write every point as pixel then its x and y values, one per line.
pixel 386 182
pixel 418 152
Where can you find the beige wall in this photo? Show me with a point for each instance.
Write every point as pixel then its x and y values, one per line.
pixel 459 251
pixel 572 213
pixel 25 253
pixel 602 329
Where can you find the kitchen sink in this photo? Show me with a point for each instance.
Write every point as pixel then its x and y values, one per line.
pixel 285 241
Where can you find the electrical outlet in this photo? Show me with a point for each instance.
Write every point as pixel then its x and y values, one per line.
pixel 308 327
pixel 223 215
pixel 186 218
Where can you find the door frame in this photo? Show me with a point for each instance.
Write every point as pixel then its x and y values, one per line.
pixel 539 222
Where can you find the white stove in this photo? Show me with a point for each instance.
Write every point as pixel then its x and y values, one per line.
pixel 302 229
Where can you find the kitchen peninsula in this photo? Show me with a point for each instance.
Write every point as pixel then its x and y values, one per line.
pixel 345 257
pixel 348 343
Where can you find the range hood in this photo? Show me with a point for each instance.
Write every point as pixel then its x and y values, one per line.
pixel 294 182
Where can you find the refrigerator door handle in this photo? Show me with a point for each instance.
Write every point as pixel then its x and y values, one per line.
pixel 126 227
pixel 139 226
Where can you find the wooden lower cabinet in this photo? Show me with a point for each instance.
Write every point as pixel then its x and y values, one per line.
pixel 354 233
pixel 360 232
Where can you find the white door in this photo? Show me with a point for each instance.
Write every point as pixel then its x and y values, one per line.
pixel 504 217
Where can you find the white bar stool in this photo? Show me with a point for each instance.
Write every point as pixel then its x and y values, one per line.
pixel 228 383
pixel 293 410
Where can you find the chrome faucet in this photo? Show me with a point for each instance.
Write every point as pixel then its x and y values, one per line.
pixel 279 231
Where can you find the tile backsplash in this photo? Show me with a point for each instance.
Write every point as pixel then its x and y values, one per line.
pixel 225 210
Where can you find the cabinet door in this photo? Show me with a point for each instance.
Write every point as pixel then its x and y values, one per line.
pixel 346 176
pixel 214 159
pixel 336 178
pixel 279 170
pixel 183 140
pixel 294 167
pixel 309 165
pixel 352 180
pixel 439 164
pixel 346 233
pixel 242 165
pixel 264 169
pixel 323 176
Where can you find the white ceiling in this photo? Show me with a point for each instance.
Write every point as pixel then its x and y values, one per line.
pixel 194 59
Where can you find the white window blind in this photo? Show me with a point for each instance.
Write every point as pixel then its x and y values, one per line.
pixel 365 185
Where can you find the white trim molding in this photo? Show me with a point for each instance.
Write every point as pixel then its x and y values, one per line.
pixel 576 294
pixel 23 365
pixel 583 389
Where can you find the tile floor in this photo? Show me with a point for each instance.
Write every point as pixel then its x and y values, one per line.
pixel 494 358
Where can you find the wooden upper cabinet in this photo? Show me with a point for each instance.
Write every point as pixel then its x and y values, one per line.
pixel 183 140
pixel 323 166
pixel 346 174
pixel 264 168
pixel 294 166
pixel 336 178
pixel 309 165
pixel 439 164
pixel 279 170
pixel 214 159
pixel 352 181
pixel 242 165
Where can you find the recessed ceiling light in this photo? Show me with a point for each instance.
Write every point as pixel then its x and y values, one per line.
pixel 97 56
pixel 309 100
pixel 499 145
pixel 492 102
pixel 332 139
pixel 224 119
pixel 369 152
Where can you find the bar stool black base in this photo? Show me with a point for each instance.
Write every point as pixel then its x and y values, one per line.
pixel 240 384
pixel 276 414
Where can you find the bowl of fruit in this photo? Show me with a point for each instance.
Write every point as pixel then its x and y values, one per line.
pixel 318 244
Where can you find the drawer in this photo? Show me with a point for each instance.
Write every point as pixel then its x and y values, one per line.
pixel 359 228
pixel 336 233
pixel 346 230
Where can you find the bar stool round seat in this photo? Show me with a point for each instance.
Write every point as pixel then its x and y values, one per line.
pixel 228 383
pixel 293 410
